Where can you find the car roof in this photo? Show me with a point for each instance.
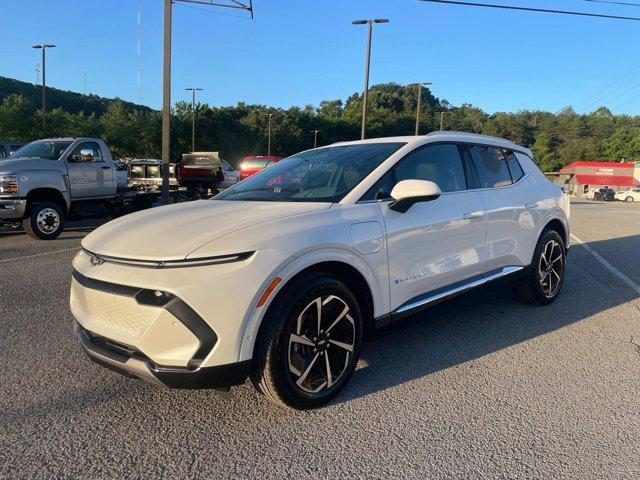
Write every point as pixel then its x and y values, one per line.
pixel 443 136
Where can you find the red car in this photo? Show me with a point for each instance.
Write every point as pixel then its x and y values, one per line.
pixel 254 163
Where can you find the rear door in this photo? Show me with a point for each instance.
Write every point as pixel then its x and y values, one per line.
pixel 89 174
pixel 433 244
pixel 513 205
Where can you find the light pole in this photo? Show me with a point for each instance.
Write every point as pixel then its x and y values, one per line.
pixel 367 63
pixel 420 84
pixel 442 120
pixel 269 134
pixel 166 101
pixel 44 47
pixel 315 138
pixel 193 116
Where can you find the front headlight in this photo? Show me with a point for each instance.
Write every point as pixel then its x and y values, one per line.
pixel 8 184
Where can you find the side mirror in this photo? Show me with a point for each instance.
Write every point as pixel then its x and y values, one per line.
pixel 408 192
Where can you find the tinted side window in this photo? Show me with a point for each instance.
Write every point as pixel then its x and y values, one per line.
pixel 2 154
pixel 514 166
pixel 437 163
pixel 490 162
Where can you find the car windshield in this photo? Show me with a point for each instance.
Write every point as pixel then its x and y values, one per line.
pixel 42 149
pixel 320 175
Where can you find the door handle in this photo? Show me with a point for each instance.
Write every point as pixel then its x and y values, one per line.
pixel 105 167
pixel 531 205
pixel 470 215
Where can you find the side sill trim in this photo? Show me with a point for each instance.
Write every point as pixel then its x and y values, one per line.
pixel 442 294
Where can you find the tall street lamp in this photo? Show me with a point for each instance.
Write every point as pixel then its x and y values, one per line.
pixel 420 85
pixel 367 63
pixel 44 47
pixel 193 116
pixel 315 138
pixel 269 134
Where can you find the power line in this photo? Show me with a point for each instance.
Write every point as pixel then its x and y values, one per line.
pixel 530 9
pixel 614 91
pixel 593 95
pixel 626 4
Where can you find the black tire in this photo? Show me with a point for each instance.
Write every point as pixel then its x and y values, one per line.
pixel 629 199
pixel 533 289
pixel 276 352
pixel 45 221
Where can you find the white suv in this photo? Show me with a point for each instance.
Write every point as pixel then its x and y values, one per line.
pixel 280 277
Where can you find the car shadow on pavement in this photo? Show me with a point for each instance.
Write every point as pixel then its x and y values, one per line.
pixel 485 321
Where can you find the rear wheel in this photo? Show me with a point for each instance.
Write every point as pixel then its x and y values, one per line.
pixel 544 279
pixel 629 199
pixel 310 343
pixel 45 222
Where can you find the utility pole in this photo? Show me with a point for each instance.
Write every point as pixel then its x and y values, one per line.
pixel 37 73
pixel 269 134
pixel 193 116
pixel 85 82
pixel 441 120
pixel 166 82
pixel 419 84
pixel 44 47
pixel 166 101
pixel 315 138
pixel 367 63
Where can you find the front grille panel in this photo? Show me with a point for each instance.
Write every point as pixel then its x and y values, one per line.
pixel 107 287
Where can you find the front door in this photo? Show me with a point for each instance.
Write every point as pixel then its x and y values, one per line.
pixel 89 175
pixel 433 244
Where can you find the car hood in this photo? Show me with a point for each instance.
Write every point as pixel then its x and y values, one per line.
pixel 173 232
pixel 30 163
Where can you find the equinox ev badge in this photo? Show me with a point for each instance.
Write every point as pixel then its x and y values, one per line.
pixel 96 260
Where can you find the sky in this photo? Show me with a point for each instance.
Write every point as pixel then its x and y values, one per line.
pixel 300 52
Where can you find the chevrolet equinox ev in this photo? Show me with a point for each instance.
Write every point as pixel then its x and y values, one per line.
pixel 280 277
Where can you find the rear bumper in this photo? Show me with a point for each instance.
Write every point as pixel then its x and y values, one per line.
pixel 132 363
pixel 12 208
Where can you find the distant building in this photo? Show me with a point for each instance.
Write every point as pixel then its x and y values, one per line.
pixel 579 177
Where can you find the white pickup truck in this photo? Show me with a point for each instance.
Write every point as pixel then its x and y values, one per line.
pixel 49 181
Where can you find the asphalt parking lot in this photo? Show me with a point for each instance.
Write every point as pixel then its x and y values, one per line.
pixel 483 387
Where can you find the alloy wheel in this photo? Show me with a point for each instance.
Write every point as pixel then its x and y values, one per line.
pixel 321 345
pixel 551 268
pixel 48 220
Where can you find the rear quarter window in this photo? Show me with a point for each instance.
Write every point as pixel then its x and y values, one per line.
pixel 491 165
pixel 514 166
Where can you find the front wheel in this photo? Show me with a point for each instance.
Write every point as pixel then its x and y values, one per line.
pixel 310 343
pixel 629 199
pixel 544 279
pixel 45 222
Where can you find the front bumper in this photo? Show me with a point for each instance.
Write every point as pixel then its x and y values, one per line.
pixel 12 208
pixel 133 363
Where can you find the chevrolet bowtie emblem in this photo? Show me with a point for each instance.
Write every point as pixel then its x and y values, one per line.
pixel 96 260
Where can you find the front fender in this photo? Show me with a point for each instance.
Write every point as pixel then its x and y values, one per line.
pixel 377 282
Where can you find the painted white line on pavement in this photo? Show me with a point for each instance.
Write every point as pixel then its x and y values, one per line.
pixel 39 254
pixel 634 286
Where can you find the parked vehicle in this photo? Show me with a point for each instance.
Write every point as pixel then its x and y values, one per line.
pixel 48 181
pixel 604 194
pixel 631 195
pixel 7 148
pixel 254 163
pixel 122 176
pixel 201 170
pixel 280 277
pixel 147 173
pixel 231 175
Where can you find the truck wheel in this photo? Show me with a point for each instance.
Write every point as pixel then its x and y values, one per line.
pixel 45 222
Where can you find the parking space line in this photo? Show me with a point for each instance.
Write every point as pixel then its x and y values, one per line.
pixel 634 286
pixel 39 254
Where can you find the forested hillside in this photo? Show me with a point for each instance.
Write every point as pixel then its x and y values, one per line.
pixel 133 130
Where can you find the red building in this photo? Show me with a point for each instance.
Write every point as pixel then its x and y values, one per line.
pixel 579 177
